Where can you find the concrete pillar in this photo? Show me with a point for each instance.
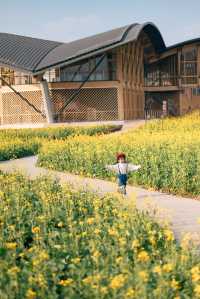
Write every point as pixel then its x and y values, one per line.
pixel 47 101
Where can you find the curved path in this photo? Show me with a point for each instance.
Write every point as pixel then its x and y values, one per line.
pixel 182 213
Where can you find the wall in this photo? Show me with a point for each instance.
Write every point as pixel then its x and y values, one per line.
pixel 188 101
pixel 97 101
pixel 1 107
pixel 130 72
pixel 15 110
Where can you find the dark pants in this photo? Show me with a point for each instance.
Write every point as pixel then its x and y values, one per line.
pixel 122 181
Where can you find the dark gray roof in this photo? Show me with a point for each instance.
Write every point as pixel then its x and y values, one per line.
pixel 82 46
pixel 23 52
pixel 36 55
pixel 181 44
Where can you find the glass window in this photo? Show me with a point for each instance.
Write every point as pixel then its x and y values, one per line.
pixel 162 73
pixel 196 91
pixel 105 71
pixel 189 66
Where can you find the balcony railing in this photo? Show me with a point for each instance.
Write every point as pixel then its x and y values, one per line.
pixel 17 80
pixel 160 82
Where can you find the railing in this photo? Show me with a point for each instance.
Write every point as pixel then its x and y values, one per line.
pixel 18 80
pixel 152 114
pixel 161 82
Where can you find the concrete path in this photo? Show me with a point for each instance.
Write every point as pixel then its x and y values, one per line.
pixel 126 124
pixel 182 212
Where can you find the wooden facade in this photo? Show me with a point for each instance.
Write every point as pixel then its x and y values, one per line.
pixel 132 78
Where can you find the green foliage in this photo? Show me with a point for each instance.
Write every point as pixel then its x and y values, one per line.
pixel 60 243
pixel 17 143
pixel 168 151
pixel 17 148
pixel 60 132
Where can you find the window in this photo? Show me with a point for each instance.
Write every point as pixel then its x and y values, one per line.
pixel 196 91
pixel 79 72
pixel 189 66
pixel 8 75
pixel 162 73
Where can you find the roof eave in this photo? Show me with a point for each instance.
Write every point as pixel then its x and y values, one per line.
pixel 16 68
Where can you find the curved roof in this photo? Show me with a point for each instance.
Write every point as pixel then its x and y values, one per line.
pixel 23 52
pixel 69 53
pixel 37 55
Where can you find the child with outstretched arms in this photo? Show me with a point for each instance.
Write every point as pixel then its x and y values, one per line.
pixel 122 168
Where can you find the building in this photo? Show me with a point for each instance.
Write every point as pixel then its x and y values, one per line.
pixel 117 75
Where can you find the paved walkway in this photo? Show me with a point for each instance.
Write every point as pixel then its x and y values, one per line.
pixel 183 212
pixel 127 124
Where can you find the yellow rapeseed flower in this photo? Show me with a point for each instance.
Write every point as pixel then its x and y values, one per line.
pixel 35 229
pixel 143 275
pixel 96 231
pixel 183 258
pixel 143 256
pixel 167 268
pixel 197 290
pixel 76 260
pixel 96 255
pixel 157 269
pixel 65 282
pixel 30 294
pixel 11 245
pixel 112 232
pixel 152 240
pixel 90 220
pixel 40 280
pixel 13 270
pixel 118 281
pixel 43 255
pixel 103 290
pixel 119 259
pixel 88 280
pixel 60 224
pixel 122 241
pixel 130 293
pixel 169 235
pixel 135 244
pixel 195 271
pixel 174 284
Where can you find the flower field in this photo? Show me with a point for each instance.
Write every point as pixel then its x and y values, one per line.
pixel 61 132
pixel 168 151
pixel 60 243
pixel 17 148
pixel 17 143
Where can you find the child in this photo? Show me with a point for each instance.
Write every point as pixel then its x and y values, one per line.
pixel 122 167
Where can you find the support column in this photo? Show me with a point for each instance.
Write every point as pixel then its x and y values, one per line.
pixel 120 88
pixel 47 101
pixel 1 108
pixel 198 65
